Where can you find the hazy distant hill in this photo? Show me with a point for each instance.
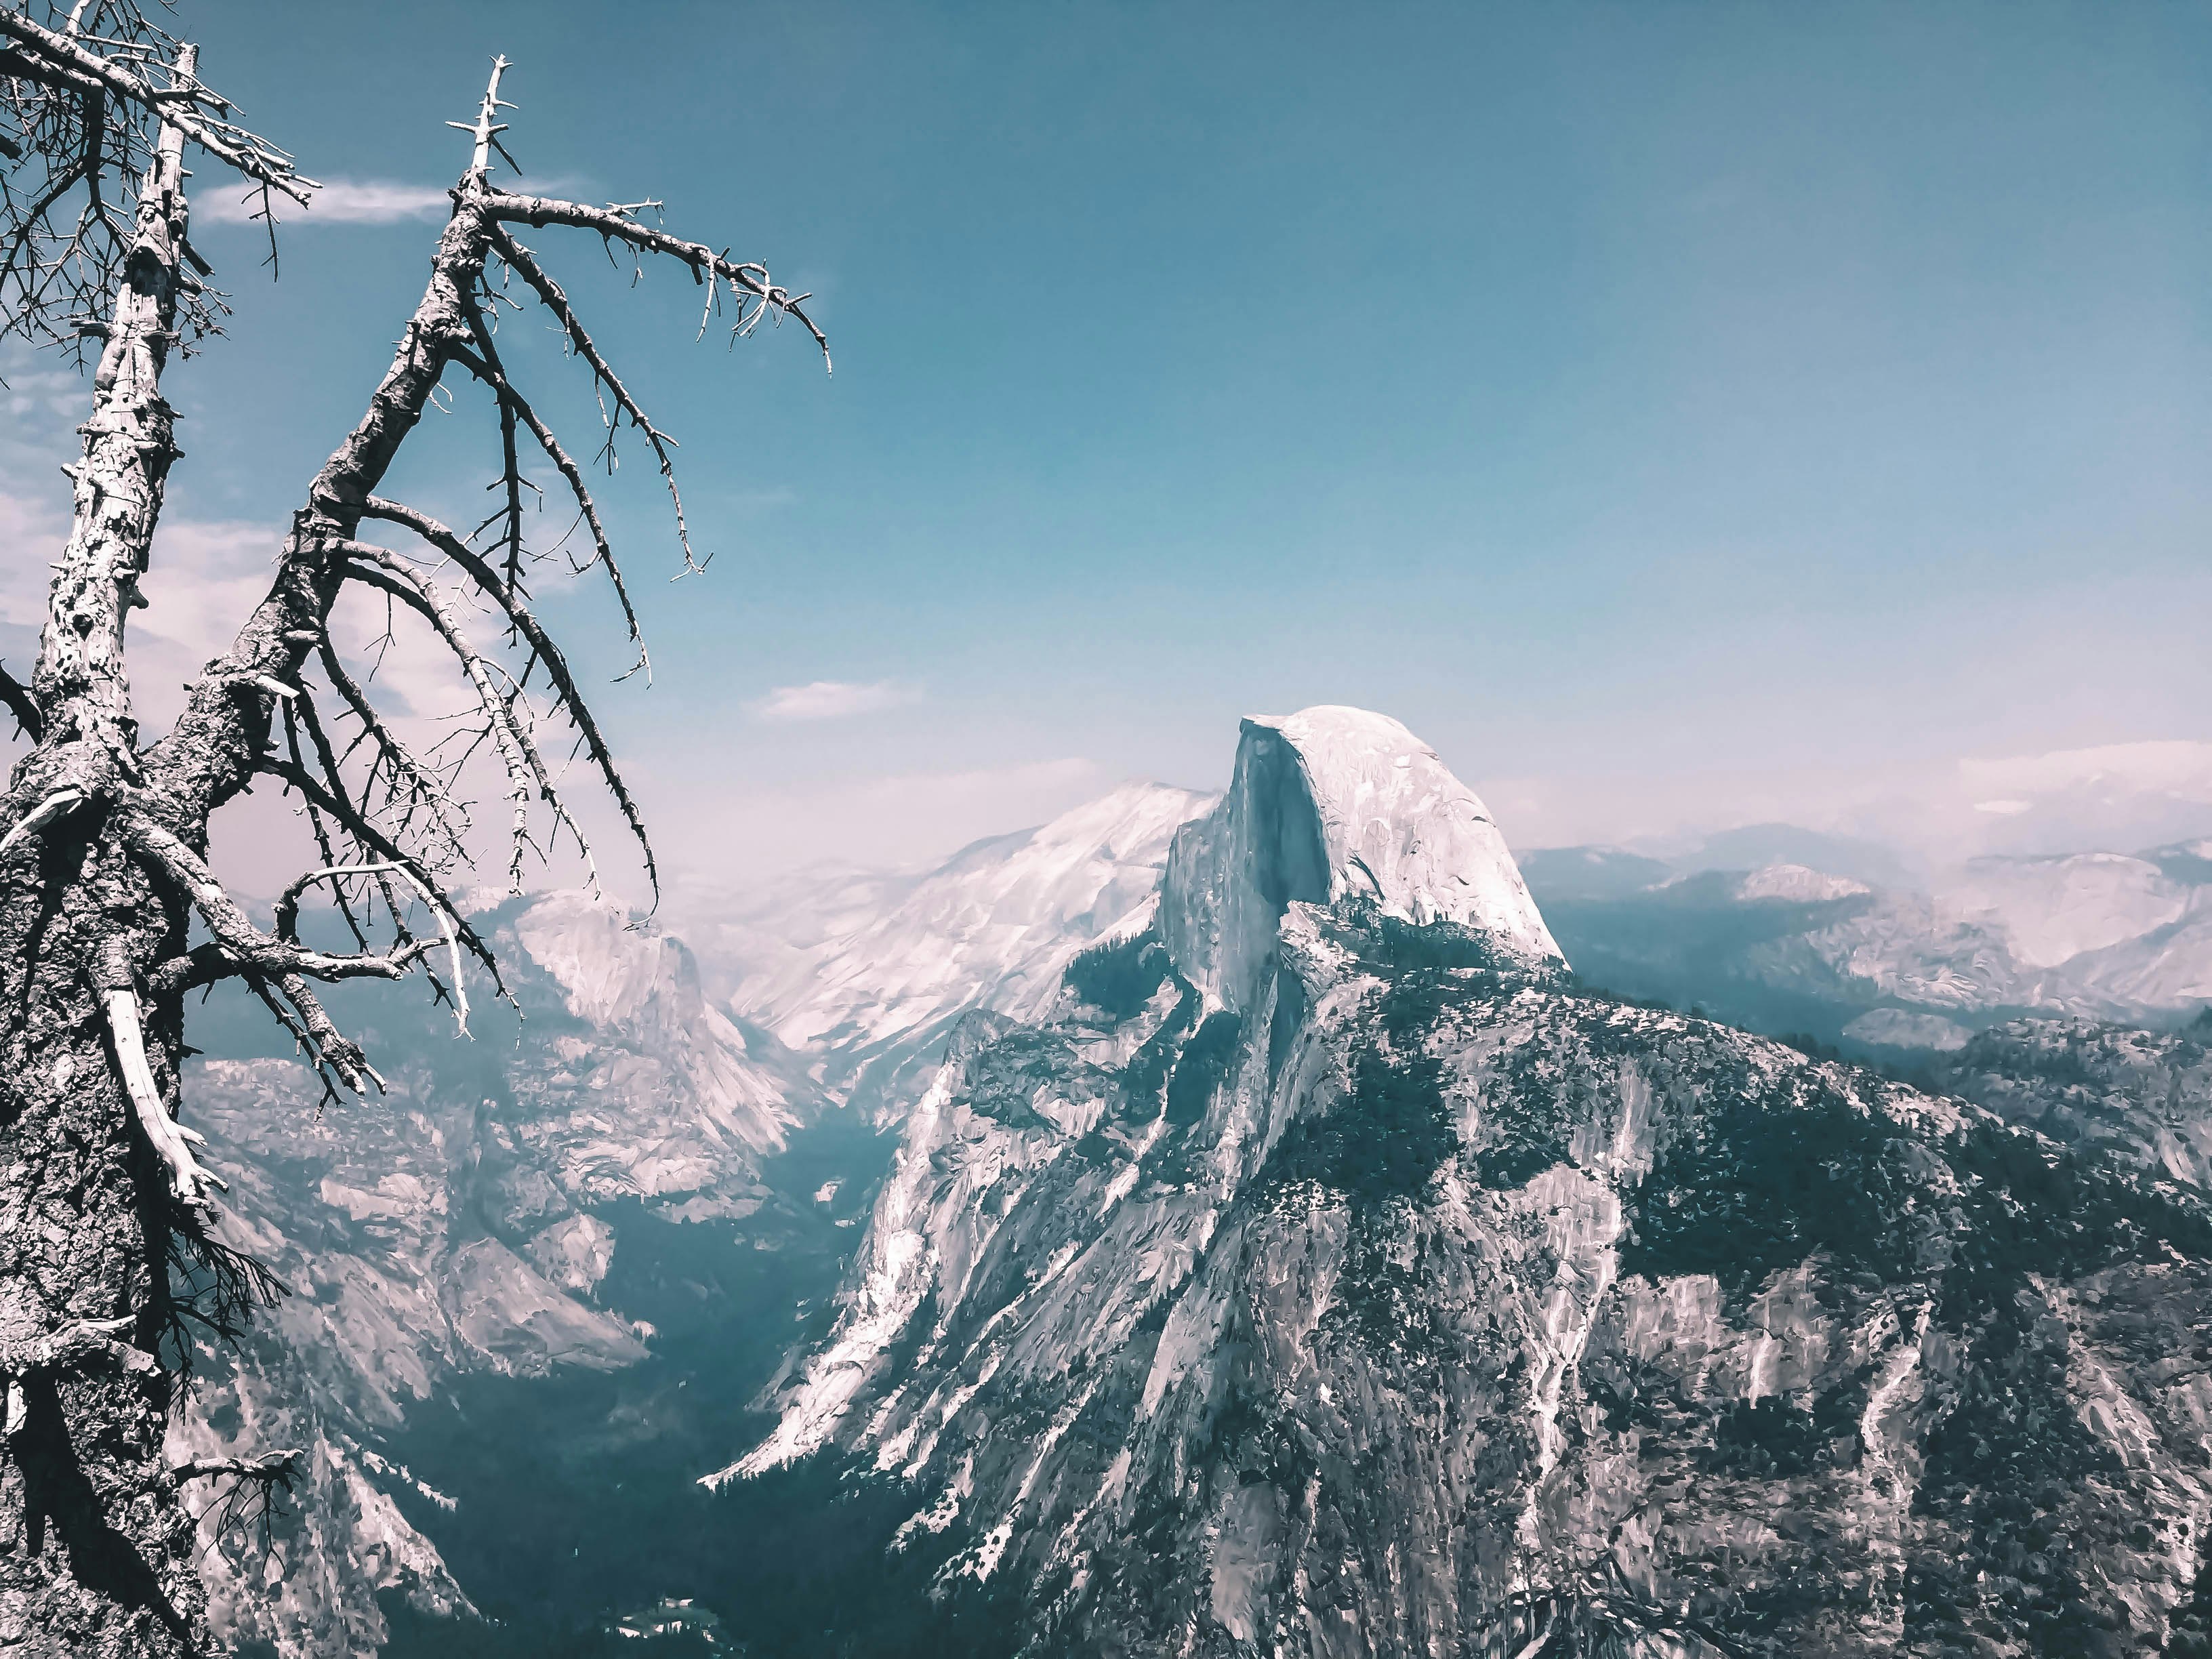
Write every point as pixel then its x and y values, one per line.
pixel 868 1004
pixel 1793 948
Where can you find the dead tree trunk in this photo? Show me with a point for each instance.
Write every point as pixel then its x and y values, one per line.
pixel 95 1546
pixel 109 1227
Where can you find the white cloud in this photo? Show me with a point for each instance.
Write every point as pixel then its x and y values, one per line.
pixel 339 202
pixel 59 396
pixel 2114 798
pixel 2179 766
pixel 360 202
pixel 829 699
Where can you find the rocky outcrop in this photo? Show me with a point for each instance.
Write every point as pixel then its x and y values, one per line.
pixel 1329 806
pixel 2143 1098
pixel 1324 1273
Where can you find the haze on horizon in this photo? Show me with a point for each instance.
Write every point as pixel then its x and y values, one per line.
pixel 1679 418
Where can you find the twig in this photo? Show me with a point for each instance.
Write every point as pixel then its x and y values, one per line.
pixel 30 719
pixel 488 370
pixel 379 567
pixel 615 224
pixel 557 302
pixel 567 697
pixel 288 916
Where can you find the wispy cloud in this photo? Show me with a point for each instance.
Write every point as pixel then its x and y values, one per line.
pixel 341 202
pixel 361 202
pixel 829 699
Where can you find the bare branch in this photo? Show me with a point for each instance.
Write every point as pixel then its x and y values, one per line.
pixel 250 1498
pixel 61 801
pixel 487 127
pixel 30 719
pixel 188 1180
pixel 260 957
pixel 321 830
pixel 511 479
pixel 386 570
pixel 202 116
pixel 378 842
pixel 104 123
pixel 413 786
pixel 567 696
pixel 288 917
pixel 555 300
pixel 487 368
pixel 315 815
pixel 269 1465
pixel 616 224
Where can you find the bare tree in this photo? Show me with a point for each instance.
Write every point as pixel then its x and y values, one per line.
pixel 110 1247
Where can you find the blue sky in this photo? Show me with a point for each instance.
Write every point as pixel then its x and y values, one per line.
pixel 1648 404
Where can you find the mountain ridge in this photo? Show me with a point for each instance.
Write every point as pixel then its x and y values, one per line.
pixel 1394 1294
pixel 992 926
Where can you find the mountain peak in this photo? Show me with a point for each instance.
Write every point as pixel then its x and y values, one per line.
pixel 1330 803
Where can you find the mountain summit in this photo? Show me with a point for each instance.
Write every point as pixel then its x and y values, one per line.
pixel 1323 1273
pixel 1329 806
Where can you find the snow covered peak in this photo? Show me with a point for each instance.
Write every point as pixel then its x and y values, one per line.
pixel 2054 909
pixel 1401 828
pixel 993 926
pixel 1330 803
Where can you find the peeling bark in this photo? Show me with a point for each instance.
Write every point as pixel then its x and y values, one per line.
pixel 95 1548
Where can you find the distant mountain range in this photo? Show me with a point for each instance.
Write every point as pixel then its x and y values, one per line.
pixel 1791 947
pixel 872 1002
pixel 1084 1113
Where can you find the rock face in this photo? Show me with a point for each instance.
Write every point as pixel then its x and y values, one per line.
pixel 652 1093
pixel 1321 1272
pixel 1897 1027
pixel 1330 806
pixel 458 1223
